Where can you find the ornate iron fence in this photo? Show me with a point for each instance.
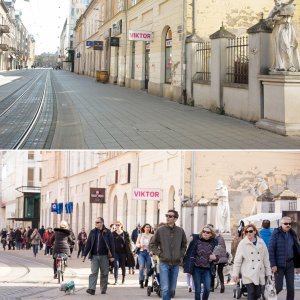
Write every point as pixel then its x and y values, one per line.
pixel 238 60
pixel 203 56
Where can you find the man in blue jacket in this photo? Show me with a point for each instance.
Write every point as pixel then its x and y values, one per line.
pixel 284 252
pixel 266 233
pixel 101 249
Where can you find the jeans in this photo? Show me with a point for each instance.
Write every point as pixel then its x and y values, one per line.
pixel 99 262
pixel 202 275
pixel 80 249
pixel 120 261
pixel 144 263
pixel 35 249
pixel 168 279
pixel 288 273
pixel 254 291
pixel 19 245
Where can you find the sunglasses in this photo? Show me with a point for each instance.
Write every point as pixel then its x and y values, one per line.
pixel 169 216
pixel 249 231
pixel 287 224
pixel 98 222
pixel 205 231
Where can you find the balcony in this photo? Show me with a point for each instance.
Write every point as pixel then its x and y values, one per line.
pixel 4 29
pixel 4 47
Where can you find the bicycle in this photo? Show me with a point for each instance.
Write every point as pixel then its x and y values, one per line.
pixel 61 262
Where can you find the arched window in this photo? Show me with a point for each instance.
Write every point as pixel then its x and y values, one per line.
pixel 168 59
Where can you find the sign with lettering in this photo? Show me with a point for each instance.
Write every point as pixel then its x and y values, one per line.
pixel 89 44
pixel 115 42
pixel 139 35
pixel 146 194
pixel 98 45
pixel 97 195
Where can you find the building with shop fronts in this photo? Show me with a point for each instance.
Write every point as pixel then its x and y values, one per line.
pixel 20 188
pixel 17 46
pixel 143 42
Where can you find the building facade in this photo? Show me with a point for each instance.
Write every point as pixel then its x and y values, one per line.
pixel 17 46
pixel 21 183
pixel 144 43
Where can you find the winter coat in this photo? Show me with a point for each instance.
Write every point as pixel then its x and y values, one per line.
pixel 35 238
pixel 277 248
pixel 266 234
pixel 11 236
pixel 220 251
pixel 134 235
pixel 130 261
pixel 252 261
pixel 108 238
pixel 48 238
pixel 189 258
pixel 82 237
pixel 18 236
pixel 60 241
pixel 169 244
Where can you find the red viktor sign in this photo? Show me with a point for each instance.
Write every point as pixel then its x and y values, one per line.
pixel 97 195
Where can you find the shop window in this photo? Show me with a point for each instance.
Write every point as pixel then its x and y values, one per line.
pixel 133 61
pixel 30 177
pixel 168 58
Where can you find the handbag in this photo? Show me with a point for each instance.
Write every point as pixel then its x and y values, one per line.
pixel 109 255
pixel 270 290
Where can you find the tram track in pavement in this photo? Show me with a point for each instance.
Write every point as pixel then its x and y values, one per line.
pixel 29 120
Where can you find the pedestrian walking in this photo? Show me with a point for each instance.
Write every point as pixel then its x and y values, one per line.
pixel 221 253
pixel 71 241
pixel 169 244
pixel 47 240
pixel 18 237
pixel 35 241
pixel 42 232
pixel 28 234
pixel 82 237
pixel 4 238
pixel 100 249
pixel 11 239
pixel 252 262
pixel 199 260
pixel 284 251
pixel 123 253
pixel 134 235
pixel 266 233
pixel 60 241
pixel 142 244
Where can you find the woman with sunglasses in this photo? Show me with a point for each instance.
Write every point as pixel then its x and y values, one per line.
pixel 199 259
pixel 252 262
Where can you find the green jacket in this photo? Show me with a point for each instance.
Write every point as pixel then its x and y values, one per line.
pixel 169 244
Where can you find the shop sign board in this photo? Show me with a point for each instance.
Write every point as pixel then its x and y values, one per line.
pixel 146 194
pixel 140 35
pixel 89 44
pixel 115 42
pixel 97 195
pixel 98 45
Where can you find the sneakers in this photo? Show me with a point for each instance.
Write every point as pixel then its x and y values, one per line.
pixel 91 292
pixel 55 276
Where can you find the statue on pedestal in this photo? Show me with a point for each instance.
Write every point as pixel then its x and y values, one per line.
pixel 284 37
pixel 223 210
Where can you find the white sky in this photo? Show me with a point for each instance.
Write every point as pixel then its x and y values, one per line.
pixel 44 19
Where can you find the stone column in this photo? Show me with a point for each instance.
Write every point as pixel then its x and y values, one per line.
pixel 218 64
pixel 260 59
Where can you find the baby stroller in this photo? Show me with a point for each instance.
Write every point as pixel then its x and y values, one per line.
pixel 155 286
pixel 240 290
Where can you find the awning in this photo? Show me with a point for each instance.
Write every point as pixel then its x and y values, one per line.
pixel 274 218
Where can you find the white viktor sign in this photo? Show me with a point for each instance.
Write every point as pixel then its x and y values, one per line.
pixel 146 194
pixel 138 35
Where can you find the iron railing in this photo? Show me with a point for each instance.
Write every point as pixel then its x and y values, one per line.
pixel 238 60
pixel 203 56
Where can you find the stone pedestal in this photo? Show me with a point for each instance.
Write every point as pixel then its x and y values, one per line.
pixel 228 239
pixel 281 103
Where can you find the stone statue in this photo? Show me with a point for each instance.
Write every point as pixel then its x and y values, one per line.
pixel 223 210
pixel 284 37
pixel 257 190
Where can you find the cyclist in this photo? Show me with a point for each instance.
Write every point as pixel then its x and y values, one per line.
pixel 61 240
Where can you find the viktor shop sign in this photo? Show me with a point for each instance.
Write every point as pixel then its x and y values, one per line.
pixel 146 194
pixel 139 35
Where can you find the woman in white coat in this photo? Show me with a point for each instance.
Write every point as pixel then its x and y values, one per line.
pixel 252 262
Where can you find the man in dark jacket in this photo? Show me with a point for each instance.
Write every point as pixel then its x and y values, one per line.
pixel 101 249
pixel 284 249
pixel 41 232
pixel 18 236
pixel 60 241
pixel 169 243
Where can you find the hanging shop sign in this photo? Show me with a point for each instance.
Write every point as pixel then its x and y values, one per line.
pixel 106 33
pixel 169 43
pixel 124 174
pixel 53 207
pixel 146 194
pixel 115 42
pixel 139 35
pixel 98 45
pixel 89 44
pixel 117 28
pixel 97 195
pixel 69 207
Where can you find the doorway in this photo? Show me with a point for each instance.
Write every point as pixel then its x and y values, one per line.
pixel 147 64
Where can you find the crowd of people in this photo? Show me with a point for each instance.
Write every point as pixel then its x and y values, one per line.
pixel 257 254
